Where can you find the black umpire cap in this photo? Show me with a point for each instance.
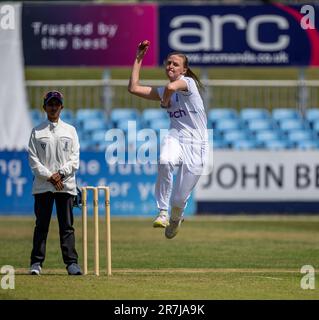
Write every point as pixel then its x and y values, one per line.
pixel 52 95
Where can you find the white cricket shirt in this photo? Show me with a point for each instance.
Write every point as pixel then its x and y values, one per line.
pixel 54 147
pixel 187 113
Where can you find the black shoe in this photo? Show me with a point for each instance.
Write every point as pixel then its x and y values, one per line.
pixel 35 268
pixel 74 269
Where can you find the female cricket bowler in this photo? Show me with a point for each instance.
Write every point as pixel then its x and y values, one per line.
pixel 186 144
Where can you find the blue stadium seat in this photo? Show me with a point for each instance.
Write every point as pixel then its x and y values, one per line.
pixel 288 125
pixel 98 135
pixel 276 145
pixel 153 114
pixel 67 116
pixel 267 135
pixel 97 141
pixel 90 125
pixel 234 135
pixel 37 116
pixel 315 127
pixel 118 114
pixel 307 145
pixel 220 144
pixel 248 114
pixel 81 135
pixel 87 113
pixel 84 114
pixel 285 113
pixel 259 125
pixel 217 114
pixel 84 145
pixel 244 145
pixel 312 115
pixel 224 125
pixel 299 135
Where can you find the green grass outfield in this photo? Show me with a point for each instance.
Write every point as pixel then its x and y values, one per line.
pixel 221 257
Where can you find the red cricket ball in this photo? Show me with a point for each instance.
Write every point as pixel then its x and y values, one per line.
pixel 144 44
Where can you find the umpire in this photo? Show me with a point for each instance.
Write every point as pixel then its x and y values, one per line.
pixel 54 158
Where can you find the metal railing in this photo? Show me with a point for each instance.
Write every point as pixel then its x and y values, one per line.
pixel 237 94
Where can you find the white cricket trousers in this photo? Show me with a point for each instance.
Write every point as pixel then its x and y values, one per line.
pixel 189 157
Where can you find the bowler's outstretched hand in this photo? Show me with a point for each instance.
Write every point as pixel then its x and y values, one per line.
pixel 142 49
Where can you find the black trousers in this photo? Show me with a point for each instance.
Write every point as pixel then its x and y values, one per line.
pixel 43 206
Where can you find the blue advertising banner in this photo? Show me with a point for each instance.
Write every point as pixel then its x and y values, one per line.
pixel 251 35
pixel 210 35
pixel 131 186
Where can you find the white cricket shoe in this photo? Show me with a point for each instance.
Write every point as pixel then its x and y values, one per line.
pixel 173 228
pixel 35 269
pixel 162 220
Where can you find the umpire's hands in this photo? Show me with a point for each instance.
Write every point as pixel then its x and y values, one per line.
pixel 56 180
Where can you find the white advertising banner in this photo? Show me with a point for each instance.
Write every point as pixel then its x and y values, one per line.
pixel 261 176
pixel 15 122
